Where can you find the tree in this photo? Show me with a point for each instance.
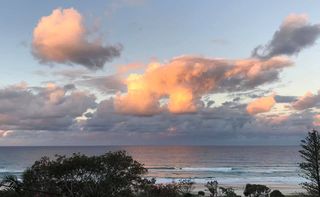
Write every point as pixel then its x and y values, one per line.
pixel 112 174
pixel 310 166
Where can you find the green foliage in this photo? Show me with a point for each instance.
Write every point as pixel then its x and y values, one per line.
pixel 256 190
pixel 276 193
pixel 112 174
pixel 310 167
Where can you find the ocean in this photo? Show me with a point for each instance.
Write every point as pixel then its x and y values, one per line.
pixel 230 165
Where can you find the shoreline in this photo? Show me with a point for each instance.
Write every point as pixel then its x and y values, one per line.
pixel 239 188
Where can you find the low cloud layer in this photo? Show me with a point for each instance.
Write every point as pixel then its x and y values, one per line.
pixel 178 85
pixel 294 34
pixel 62 38
pixel 50 108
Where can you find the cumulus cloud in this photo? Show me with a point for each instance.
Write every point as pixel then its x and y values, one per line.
pixel 62 38
pixel 294 34
pixel 42 108
pixel 178 85
pixel 309 100
pixel 261 105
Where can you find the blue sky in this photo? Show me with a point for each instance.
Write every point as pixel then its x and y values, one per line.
pixel 156 31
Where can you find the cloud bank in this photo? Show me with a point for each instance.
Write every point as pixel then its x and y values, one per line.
pixel 62 38
pixel 50 108
pixel 177 86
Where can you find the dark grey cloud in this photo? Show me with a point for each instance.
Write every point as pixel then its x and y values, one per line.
pixel 225 124
pixel 106 84
pixel 42 108
pixel 285 99
pixel 294 35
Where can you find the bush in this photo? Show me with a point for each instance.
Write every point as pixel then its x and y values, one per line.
pixel 228 192
pixel 161 190
pixel 256 190
pixel 185 186
pixel 276 193
pixel 201 193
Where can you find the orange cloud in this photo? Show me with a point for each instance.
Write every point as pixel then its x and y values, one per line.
pixel 261 105
pixel 62 38
pixel 178 85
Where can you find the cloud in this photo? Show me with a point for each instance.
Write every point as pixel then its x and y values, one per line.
pixel 42 108
pixel 225 124
pixel 109 84
pixel 316 121
pixel 261 105
pixel 294 34
pixel 276 119
pixel 62 38
pixel 309 100
pixel 177 86
pixel 285 99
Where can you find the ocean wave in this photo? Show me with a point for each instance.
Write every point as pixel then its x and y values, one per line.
pixel 226 169
pixel 291 180
pixel 4 171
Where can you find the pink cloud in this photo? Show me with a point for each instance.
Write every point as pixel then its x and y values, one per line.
pixel 309 100
pixel 261 105
pixel 62 38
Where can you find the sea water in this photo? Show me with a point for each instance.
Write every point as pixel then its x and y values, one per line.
pixel 226 164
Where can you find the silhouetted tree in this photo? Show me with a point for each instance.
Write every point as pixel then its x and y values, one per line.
pixel 114 174
pixel 310 167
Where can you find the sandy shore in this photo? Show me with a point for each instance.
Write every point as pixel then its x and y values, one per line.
pixel 285 189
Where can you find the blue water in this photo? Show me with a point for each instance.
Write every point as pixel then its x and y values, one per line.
pixel 227 164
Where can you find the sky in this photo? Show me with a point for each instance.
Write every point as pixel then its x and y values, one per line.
pixel 143 72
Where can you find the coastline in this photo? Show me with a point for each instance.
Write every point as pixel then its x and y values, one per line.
pixel 239 188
